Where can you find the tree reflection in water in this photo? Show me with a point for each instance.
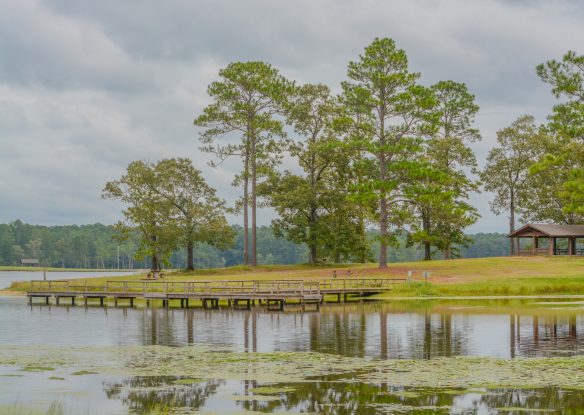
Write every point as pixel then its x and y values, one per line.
pixel 385 330
pixel 151 395
pixel 339 395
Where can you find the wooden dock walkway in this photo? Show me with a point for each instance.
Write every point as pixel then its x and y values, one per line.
pixel 209 293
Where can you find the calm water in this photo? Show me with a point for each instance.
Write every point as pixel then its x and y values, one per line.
pixel 398 330
pixel 8 277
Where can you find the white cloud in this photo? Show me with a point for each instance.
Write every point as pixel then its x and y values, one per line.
pixel 87 86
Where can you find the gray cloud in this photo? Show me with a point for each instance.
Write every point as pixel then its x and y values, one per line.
pixel 88 86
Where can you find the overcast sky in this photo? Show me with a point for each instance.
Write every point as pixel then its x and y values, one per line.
pixel 88 86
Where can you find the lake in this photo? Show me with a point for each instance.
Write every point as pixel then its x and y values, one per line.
pixel 78 359
pixel 8 277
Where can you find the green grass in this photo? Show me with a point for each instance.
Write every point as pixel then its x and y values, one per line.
pixel 500 276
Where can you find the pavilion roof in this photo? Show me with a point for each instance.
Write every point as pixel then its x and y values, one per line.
pixel 546 229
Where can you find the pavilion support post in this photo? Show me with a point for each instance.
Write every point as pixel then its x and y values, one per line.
pixel 533 245
pixel 552 246
pixel 571 250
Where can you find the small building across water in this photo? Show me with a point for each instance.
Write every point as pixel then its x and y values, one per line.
pixel 29 262
pixel 549 239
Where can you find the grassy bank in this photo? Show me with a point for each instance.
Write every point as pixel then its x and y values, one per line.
pixel 501 276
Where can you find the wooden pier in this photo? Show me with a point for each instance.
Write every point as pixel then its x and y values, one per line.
pixel 275 293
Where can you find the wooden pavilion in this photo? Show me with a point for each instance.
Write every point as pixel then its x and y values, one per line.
pixel 549 239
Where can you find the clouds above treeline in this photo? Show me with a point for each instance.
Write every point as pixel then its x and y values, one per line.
pixel 88 86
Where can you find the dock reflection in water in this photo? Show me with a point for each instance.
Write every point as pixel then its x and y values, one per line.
pixel 375 330
pixel 399 330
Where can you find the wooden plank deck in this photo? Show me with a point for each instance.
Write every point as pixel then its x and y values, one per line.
pixel 211 292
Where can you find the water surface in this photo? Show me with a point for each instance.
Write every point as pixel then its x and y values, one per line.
pixel 8 277
pixel 398 330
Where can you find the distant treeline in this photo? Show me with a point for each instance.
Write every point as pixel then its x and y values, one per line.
pixel 95 246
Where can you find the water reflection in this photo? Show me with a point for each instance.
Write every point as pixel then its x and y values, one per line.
pixel 370 330
pixel 380 330
pixel 145 395
pixel 8 277
pixel 334 396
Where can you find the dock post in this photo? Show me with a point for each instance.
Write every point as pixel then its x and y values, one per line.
pixel 101 301
pixel 46 300
pixel 115 301
pixel 85 301
pixel 346 295
pixel 248 304
pixel 131 301
pixel 72 300
pixel 57 300
pixel 147 303
pixel 187 302
pixel 282 305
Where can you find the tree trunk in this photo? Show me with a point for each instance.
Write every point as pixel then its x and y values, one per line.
pixel 254 255
pixel 313 253
pixel 426 228
pixel 245 210
pixel 448 252
pixel 155 264
pixel 383 233
pixel 312 236
pixel 382 218
pixel 190 256
pixel 512 224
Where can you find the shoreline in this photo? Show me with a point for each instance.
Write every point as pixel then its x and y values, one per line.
pixel 14 293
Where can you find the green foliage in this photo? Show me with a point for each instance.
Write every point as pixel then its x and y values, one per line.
pixel 313 207
pixel 198 212
pixel 86 246
pixel 246 102
pixel 386 112
pixel 147 211
pixel 442 201
pixel 171 205
pixel 506 174
pixel 561 161
pixel 94 246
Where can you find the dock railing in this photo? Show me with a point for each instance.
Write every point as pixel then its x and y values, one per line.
pixel 211 288
pixel 291 287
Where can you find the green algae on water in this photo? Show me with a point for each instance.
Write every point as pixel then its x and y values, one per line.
pixel 84 372
pixel 272 390
pixel 187 381
pixel 258 398
pixel 37 369
pixel 453 373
